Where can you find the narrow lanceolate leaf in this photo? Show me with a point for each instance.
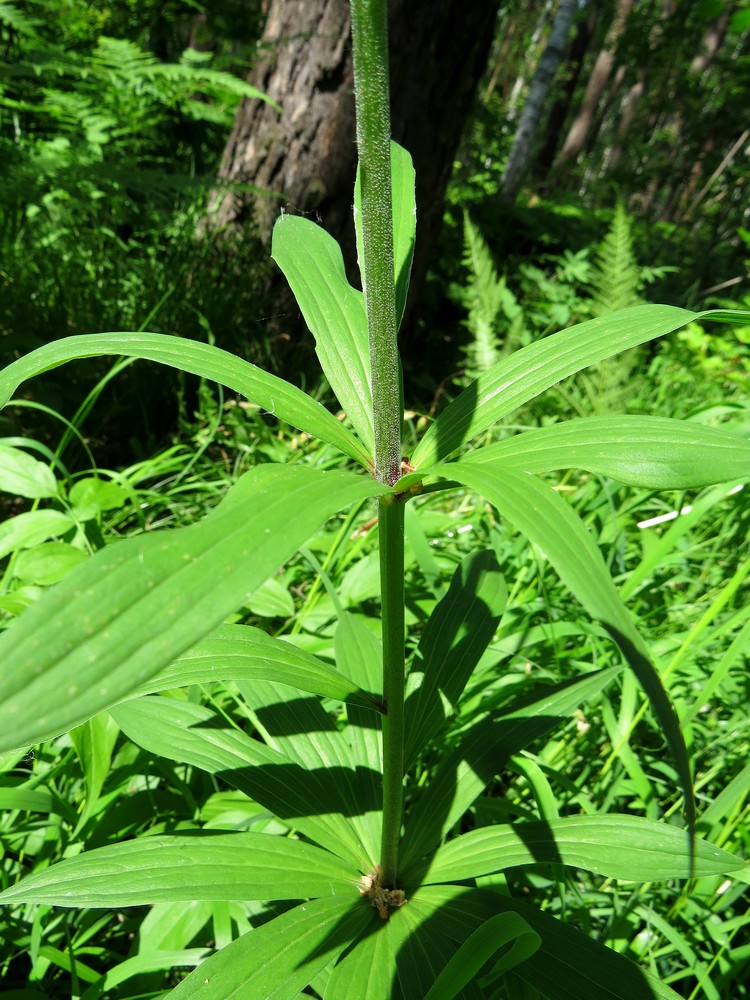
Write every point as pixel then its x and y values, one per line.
pixel 546 519
pixel 494 934
pixel 400 958
pixel 302 730
pixel 455 636
pixel 242 653
pixel 273 394
pixel 651 452
pixel 368 970
pixel 334 312
pixel 309 799
pixel 483 752
pixel 360 654
pixel 524 375
pixel 166 869
pixel 134 607
pixel 277 960
pixel 568 965
pixel 403 193
pixel 621 847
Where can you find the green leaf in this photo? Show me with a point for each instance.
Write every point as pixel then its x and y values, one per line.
pixel 621 847
pixel 334 312
pixel 399 958
pixel 277 960
pixel 360 654
pixel 368 970
pixel 94 742
pixel 546 519
pixel 91 496
pixel 241 653
pixel 479 947
pixel 280 398
pixel 568 965
pixel 455 637
pixel 423 945
pixel 483 752
pixel 139 965
pixel 136 605
pixel 24 531
pixel 47 563
pixel 403 181
pixel 349 780
pixel 652 452
pixel 528 372
pixel 272 600
pixel 23 475
pixel 165 869
pixel 347 762
pixel 309 800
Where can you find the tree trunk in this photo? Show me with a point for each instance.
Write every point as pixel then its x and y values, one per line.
pixel 559 113
pixel 529 63
pixel 304 158
pixel 523 143
pixel 302 155
pixel 605 61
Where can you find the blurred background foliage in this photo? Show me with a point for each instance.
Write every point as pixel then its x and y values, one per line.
pixel 114 118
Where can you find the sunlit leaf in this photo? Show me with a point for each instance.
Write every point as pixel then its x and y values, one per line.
pixel 23 475
pixel 135 606
pixel 168 868
pixel 526 373
pixel 31 528
pixel 307 799
pixel 277 960
pixel 652 452
pixel 483 752
pixel 334 312
pixel 546 519
pixel 242 652
pixel 278 397
pixel 621 847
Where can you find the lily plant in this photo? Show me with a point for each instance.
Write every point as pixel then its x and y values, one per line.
pixel 381 901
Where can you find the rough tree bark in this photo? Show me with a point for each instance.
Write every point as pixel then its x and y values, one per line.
pixel 304 159
pixel 528 125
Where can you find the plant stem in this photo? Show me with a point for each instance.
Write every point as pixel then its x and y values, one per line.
pixel 391 533
pixel 370 48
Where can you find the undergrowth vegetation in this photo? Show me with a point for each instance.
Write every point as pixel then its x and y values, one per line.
pixel 195 730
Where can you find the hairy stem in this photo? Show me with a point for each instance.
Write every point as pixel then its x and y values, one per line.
pixel 370 46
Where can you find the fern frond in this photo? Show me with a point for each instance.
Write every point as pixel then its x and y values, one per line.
pixel 11 17
pixel 169 83
pixel 616 277
pixel 484 297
